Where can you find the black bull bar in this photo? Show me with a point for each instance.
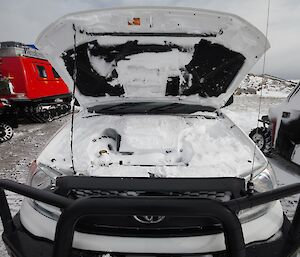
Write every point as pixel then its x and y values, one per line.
pixel 74 210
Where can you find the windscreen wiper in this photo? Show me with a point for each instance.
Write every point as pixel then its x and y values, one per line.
pixel 179 108
pixel 118 108
pixel 163 108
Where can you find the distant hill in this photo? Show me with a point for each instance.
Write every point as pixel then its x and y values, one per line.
pixel 271 86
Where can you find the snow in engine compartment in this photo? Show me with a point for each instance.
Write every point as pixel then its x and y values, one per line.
pixel 159 145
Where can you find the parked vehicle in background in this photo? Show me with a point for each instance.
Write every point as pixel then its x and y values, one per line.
pixel 8 120
pixel 30 84
pixel 281 129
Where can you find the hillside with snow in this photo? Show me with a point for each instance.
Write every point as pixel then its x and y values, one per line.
pixel 271 86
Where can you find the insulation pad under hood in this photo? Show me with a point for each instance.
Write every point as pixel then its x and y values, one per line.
pixel 152 54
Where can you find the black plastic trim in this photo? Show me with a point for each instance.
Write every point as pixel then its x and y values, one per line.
pixel 73 211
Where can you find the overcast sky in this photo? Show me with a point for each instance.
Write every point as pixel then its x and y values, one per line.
pixel 23 20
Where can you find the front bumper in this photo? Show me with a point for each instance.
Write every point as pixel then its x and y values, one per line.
pixel 41 226
pixel 21 243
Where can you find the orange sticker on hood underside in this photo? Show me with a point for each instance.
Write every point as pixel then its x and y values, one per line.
pixel 134 21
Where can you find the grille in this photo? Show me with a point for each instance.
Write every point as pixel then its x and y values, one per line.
pixel 220 196
pixel 128 226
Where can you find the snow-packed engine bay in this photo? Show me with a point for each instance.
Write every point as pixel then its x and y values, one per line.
pixel 199 145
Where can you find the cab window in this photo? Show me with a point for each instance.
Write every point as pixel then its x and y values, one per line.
pixel 42 71
pixel 55 74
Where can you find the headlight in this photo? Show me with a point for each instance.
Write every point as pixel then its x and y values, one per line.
pixel 263 181
pixel 43 177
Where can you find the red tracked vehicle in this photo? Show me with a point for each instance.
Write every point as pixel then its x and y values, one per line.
pixel 30 84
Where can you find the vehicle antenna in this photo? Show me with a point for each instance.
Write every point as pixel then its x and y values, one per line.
pixel 73 99
pixel 250 185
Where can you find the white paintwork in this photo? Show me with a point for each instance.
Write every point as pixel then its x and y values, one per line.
pixel 259 229
pixel 237 35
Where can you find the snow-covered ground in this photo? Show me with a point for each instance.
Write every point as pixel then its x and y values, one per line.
pixel 30 139
pixel 17 154
pixel 272 87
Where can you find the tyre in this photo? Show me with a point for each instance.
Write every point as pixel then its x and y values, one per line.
pixel 262 138
pixel 6 132
pixel 46 116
